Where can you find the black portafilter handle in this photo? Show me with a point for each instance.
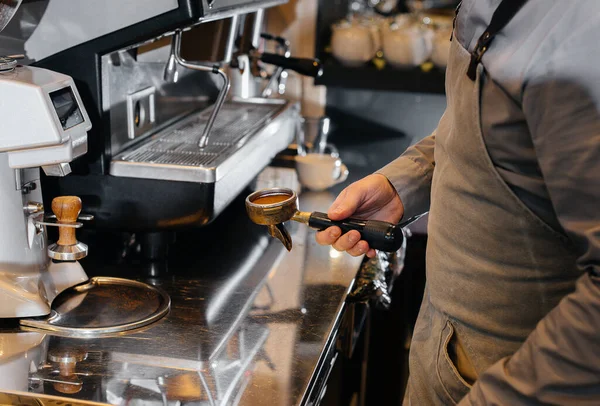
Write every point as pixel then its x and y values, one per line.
pixel 280 40
pixel 304 66
pixel 380 235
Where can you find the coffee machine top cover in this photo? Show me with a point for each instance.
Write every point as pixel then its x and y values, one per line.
pixel 44 28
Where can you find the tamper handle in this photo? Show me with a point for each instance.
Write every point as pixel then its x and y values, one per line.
pixel 66 209
pixel 380 235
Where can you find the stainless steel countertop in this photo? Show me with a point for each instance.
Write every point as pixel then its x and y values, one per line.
pixel 253 335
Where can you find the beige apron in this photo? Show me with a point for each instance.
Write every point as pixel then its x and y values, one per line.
pixel 494 269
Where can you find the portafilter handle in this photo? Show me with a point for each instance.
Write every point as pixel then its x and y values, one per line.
pixel 380 235
pixel 304 66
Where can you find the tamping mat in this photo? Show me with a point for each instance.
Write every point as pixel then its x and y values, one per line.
pixel 103 306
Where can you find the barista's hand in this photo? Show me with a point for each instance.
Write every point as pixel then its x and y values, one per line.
pixel 371 198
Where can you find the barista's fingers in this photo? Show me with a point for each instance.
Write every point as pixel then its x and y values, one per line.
pixel 328 236
pixel 371 253
pixel 347 241
pixel 359 249
pixel 346 203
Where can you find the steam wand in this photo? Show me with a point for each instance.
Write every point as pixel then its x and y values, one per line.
pixel 170 71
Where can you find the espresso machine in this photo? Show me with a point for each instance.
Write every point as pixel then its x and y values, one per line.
pixel 184 116
pixel 176 97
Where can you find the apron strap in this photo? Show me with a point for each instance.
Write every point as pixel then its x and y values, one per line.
pixel 502 16
pixel 454 20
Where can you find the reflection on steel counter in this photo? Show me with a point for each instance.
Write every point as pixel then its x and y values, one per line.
pixel 257 330
pixel 376 277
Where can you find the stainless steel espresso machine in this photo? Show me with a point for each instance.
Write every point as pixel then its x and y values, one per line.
pixel 184 113
pixel 173 90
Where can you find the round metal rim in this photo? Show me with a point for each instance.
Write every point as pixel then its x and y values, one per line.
pixel 84 332
pixel 68 252
pixel 77 356
pixel 8 64
pixel 268 192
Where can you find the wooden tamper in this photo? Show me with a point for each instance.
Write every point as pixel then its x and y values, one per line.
pixel 68 382
pixel 67 248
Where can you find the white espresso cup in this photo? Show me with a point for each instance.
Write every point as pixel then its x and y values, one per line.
pixel 320 171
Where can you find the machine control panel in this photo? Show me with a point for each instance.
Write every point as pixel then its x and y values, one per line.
pixel 45 124
pixel 66 107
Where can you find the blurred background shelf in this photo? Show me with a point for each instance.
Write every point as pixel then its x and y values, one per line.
pixel 369 77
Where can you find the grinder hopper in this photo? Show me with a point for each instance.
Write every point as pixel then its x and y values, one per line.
pixel 272 207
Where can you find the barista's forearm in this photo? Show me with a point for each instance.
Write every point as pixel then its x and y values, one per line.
pixel 558 364
pixel 411 175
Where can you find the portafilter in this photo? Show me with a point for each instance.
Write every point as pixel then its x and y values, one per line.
pixel 272 207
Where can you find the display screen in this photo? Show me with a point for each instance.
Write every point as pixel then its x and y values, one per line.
pixel 66 107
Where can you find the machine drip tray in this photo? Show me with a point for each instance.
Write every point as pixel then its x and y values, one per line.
pixel 103 306
pixel 173 153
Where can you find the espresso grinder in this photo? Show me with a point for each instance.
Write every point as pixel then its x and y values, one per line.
pixel 43 288
pixel 43 125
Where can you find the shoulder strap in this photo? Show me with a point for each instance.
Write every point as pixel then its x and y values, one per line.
pixel 454 20
pixel 502 16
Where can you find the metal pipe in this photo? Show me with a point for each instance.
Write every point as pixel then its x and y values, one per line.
pixel 259 17
pixel 280 75
pixel 268 90
pixel 203 141
pixel 170 74
pixel 218 104
pixel 282 82
pixel 231 39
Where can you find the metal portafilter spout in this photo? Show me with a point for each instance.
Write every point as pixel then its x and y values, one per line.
pixel 272 207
